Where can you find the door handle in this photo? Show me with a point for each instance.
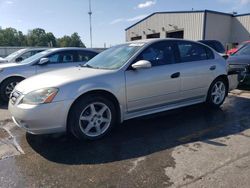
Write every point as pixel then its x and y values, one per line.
pixel 176 75
pixel 212 67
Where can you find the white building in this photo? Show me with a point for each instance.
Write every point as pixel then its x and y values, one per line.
pixel 229 29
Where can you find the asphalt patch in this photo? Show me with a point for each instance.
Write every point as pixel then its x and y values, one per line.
pixel 8 145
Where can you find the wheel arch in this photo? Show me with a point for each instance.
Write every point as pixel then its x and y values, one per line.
pixel 100 92
pixel 10 77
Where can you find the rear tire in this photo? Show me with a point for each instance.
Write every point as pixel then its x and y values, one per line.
pixel 217 93
pixel 92 117
pixel 7 87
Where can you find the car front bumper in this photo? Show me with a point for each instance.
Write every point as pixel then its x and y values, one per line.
pixel 41 119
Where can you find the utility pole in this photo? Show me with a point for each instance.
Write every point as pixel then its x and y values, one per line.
pixel 90 23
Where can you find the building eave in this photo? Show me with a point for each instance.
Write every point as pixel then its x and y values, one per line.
pixel 179 12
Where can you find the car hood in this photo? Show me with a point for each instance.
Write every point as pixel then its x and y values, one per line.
pixel 8 65
pixel 59 78
pixel 239 60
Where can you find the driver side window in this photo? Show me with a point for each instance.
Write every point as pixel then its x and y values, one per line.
pixel 62 57
pixel 160 53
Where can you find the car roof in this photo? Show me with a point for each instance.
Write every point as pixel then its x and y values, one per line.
pixel 149 41
pixel 73 48
pixel 209 41
pixel 35 48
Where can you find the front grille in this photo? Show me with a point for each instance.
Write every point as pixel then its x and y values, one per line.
pixel 14 96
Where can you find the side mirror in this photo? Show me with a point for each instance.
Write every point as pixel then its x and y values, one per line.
pixel 19 59
pixel 43 61
pixel 142 64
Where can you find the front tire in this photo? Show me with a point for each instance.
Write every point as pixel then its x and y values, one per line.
pixel 91 117
pixel 217 93
pixel 7 87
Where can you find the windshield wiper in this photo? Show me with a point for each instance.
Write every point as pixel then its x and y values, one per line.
pixel 86 65
pixel 89 66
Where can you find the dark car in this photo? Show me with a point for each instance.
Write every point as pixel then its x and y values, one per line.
pixel 233 50
pixel 240 61
pixel 216 45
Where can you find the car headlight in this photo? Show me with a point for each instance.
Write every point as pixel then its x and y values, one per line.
pixel 41 96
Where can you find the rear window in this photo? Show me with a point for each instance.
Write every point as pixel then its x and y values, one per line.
pixel 217 46
pixel 194 52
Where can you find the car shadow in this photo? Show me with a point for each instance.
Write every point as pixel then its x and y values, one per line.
pixel 147 135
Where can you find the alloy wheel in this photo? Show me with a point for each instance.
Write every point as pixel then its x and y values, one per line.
pixel 95 119
pixel 218 92
pixel 9 88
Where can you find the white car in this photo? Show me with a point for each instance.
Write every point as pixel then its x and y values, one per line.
pixel 21 55
pixel 13 73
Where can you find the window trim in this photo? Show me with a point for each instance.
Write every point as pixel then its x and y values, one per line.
pixel 204 47
pixel 176 58
pixel 74 57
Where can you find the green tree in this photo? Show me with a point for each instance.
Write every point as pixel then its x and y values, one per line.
pixel 37 37
pixel 22 39
pixel 65 41
pixel 76 41
pixel 8 37
pixel 51 39
pixel 70 41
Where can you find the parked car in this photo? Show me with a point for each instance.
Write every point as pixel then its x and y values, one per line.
pixel 126 81
pixel 21 55
pixel 233 50
pixel 216 45
pixel 240 62
pixel 52 59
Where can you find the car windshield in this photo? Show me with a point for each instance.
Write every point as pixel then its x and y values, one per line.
pixel 115 57
pixel 36 57
pixel 13 55
pixel 245 50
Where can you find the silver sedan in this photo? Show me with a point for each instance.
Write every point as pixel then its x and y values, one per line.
pixel 123 82
pixel 14 72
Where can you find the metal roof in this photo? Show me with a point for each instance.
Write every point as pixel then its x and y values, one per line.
pixel 194 11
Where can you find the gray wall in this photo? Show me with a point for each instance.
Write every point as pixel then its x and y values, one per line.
pixel 241 28
pixel 5 51
pixel 225 28
pixel 218 27
pixel 191 23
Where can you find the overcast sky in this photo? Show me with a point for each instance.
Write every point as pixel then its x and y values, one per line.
pixel 110 17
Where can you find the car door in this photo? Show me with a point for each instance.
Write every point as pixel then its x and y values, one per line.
pixel 196 69
pixel 156 86
pixel 59 60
